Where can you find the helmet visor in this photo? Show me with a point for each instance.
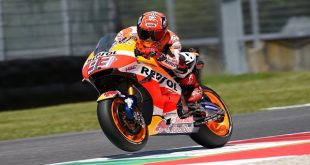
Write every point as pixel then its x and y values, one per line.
pixel 154 35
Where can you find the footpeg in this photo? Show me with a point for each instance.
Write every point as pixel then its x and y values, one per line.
pixel 212 113
pixel 210 108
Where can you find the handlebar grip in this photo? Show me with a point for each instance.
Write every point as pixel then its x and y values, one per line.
pixel 152 54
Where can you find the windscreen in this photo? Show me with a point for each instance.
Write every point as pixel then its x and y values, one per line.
pixel 105 43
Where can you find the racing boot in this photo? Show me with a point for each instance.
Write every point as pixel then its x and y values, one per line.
pixel 192 91
pixel 197 101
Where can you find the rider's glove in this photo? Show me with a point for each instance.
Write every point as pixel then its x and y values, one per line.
pixel 158 55
pixel 146 52
pixel 151 52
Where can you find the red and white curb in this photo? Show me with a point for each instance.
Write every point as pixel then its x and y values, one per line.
pixel 234 153
pixel 252 150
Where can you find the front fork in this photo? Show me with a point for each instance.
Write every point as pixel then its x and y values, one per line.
pixel 130 102
pixel 130 106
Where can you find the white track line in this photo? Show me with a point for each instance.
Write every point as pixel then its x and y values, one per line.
pixel 242 161
pixel 287 107
pixel 267 137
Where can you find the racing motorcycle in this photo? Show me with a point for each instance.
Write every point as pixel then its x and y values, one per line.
pixel 138 98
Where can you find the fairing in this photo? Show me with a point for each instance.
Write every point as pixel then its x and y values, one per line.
pixel 163 89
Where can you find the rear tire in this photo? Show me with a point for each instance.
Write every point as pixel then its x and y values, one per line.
pixel 114 125
pixel 214 134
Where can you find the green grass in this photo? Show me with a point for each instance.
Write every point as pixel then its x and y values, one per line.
pixel 252 92
pixel 48 120
pixel 243 93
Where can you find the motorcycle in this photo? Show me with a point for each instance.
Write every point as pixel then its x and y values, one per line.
pixel 138 99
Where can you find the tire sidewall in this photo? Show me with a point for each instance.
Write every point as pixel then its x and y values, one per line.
pixel 104 114
pixel 206 137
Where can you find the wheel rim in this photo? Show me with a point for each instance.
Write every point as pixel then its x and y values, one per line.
pixel 219 128
pixel 124 126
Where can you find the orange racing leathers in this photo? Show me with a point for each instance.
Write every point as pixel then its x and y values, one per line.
pixel 169 46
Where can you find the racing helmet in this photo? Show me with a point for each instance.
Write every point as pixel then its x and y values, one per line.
pixel 152 26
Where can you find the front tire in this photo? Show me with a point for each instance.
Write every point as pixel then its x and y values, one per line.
pixel 216 133
pixel 124 134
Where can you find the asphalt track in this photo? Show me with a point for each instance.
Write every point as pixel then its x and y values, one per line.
pixel 87 145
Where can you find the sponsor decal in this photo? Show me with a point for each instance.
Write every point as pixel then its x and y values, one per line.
pixel 125 40
pixel 171 62
pixel 105 54
pixel 150 24
pixel 152 16
pixel 101 54
pixel 177 125
pixel 100 62
pixel 151 21
pixel 177 120
pixel 174 128
pixel 108 94
pixel 131 68
pixel 160 78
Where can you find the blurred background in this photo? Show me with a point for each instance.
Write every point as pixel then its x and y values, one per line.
pixel 43 43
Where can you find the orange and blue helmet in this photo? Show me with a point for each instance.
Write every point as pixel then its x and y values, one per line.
pixel 152 26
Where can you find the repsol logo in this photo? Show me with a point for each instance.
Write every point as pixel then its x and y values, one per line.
pixel 101 54
pixel 159 77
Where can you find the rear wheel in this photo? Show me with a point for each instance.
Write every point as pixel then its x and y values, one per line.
pixel 216 133
pixel 126 134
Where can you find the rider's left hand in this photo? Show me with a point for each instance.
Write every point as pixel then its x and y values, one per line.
pixel 158 55
pixel 153 52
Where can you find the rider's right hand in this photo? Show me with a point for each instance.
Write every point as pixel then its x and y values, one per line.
pixel 139 52
pixel 150 52
pixel 147 52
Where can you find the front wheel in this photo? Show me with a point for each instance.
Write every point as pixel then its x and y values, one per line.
pixel 216 133
pixel 127 135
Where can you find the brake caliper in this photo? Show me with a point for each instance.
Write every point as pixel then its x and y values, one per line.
pixel 130 104
pixel 131 114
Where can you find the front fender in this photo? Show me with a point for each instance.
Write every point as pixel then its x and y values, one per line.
pixel 108 95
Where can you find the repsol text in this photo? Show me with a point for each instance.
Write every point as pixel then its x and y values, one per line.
pixel 159 77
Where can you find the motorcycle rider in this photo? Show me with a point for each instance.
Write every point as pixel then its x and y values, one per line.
pixel 155 39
